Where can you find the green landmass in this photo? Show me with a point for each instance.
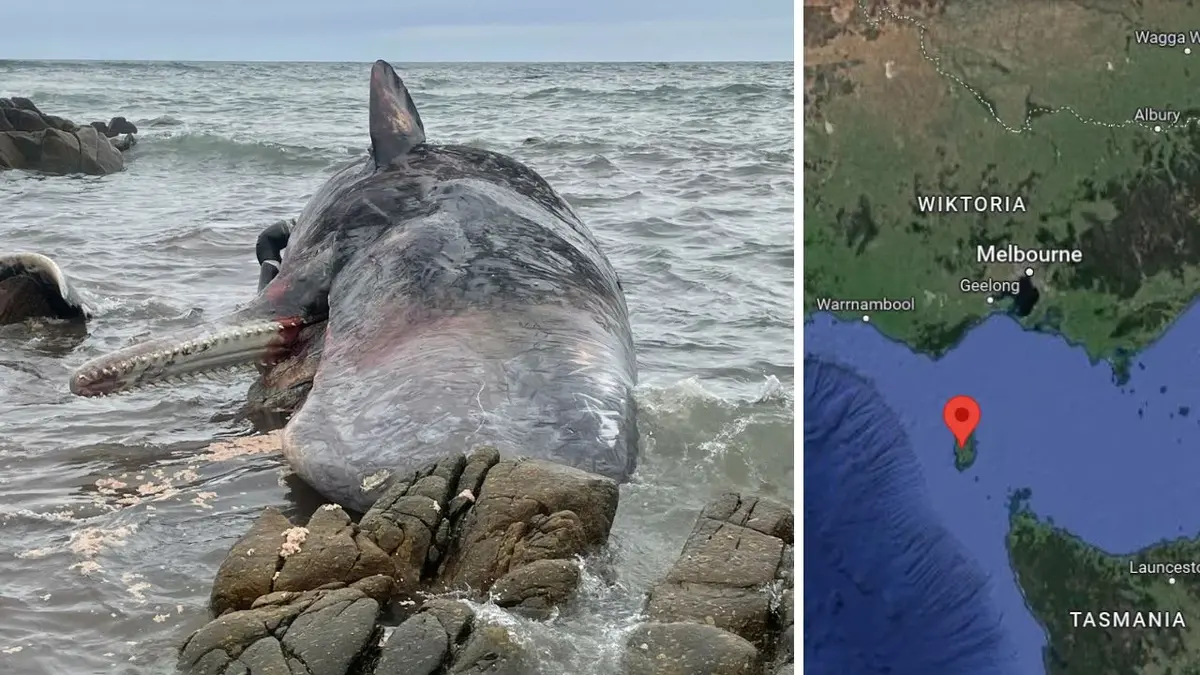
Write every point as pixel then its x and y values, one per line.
pixel 964 457
pixel 883 124
pixel 1059 573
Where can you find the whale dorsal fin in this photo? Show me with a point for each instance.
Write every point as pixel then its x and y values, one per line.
pixel 395 123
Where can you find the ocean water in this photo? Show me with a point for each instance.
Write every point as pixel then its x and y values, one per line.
pixel 1114 465
pixel 114 516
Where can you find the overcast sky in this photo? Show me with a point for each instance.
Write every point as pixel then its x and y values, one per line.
pixel 399 30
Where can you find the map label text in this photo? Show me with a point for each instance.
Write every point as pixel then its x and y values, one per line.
pixel 989 286
pixel 879 305
pixel 1156 115
pixel 970 204
pixel 1163 39
pixel 1015 254
pixel 1110 619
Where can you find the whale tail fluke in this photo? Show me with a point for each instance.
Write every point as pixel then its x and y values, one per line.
pixel 33 287
pixel 395 123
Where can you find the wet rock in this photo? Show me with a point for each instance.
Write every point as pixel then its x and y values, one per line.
pixel 102 127
pixel 526 511
pixel 274 556
pixel 97 155
pixel 419 646
pixel 120 125
pixel 56 122
pixel 22 103
pixel 406 519
pixel 785 655
pixel 443 638
pixel 725 573
pixel 534 590
pixel 688 649
pixel 474 523
pixel 491 650
pixel 124 142
pixel 60 152
pixel 24 120
pixel 734 577
pixel 323 632
pixel 34 141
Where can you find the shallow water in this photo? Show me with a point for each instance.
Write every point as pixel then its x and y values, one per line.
pixel 114 518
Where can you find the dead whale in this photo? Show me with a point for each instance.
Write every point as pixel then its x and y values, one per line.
pixel 459 302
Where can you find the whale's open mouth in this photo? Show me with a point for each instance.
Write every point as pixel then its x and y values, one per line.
pixel 202 350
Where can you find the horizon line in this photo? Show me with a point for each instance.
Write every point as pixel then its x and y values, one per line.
pixel 471 62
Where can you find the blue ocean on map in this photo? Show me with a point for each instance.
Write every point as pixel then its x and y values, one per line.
pixel 906 570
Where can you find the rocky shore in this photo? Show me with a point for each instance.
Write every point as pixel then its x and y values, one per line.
pixel 314 599
pixel 34 141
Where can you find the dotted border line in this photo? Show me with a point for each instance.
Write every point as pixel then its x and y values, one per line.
pixel 1027 125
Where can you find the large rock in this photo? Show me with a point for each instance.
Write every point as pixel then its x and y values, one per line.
pixel 34 141
pixel 529 511
pixel 482 528
pixel 444 637
pixel 322 632
pixel 120 125
pixel 725 606
pixel 430 532
pixel 474 524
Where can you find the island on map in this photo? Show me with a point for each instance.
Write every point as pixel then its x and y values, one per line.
pixel 964 457
pixel 1137 614
pixel 952 147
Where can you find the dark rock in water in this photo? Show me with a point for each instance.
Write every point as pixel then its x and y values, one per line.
pixel 28 147
pixel 887 588
pixel 60 152
pixel 120 125
pixel 33 141
pixel 276 557
pixel 309 599
pixel 685 647
pixel 125 142
pixel 56 122
pixel 430 532
pixel 559 512
pixel 24 120
pixel 97 155
pixel 25 104
pixel 322 632
pixel 443 637
pixel 534 590
pixel 723 606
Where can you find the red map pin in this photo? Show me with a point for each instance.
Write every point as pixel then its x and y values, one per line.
pixel 962 416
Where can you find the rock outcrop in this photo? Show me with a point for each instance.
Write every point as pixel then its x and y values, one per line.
pixel 34 141
pixel 311 600
pixel 726 606
pixel 474 527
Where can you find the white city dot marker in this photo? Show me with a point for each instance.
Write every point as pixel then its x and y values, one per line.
pixel 990 300
pixel 1157 128
pixel 867 318
pixel 1028 271
pixel 1171 580
pixel 1187 50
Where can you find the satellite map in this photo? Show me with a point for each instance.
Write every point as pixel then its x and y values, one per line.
pixel 1001 229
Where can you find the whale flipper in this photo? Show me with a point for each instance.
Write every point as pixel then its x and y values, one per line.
pixel 395 123
pixel 33 287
